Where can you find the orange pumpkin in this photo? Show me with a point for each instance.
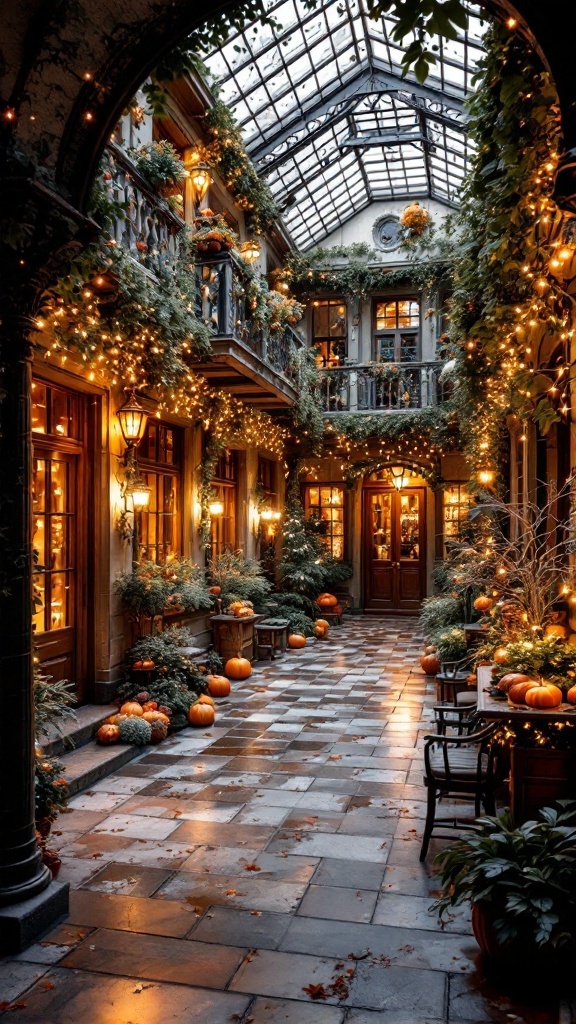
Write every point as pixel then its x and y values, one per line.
pixel 517 693
pixel 571 695
pixel 510 679
pixel 543 695
pixel 337 609
pixel 554 629
pixel 148 665
pixel 323 623
pixel 319 632
pixel 150 705
pixel 296 641
pixel 430 664
pixel 218 686
pixel 500 655
pixel 483 603
pixel 244 613
pixel 238 668
pixel 112 719
pixel 215 590
pixel 205 698
pixel 326 601
pixel 572 639
pixel 235 607
pixel 156 716
pixel 137 666
pixel 108 734
pixel 201 715
pixel 131 707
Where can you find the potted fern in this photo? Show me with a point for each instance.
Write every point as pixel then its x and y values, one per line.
pixel 521 884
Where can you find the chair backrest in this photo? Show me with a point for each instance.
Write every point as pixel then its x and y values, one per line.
pixel 455 669
pixel 480 739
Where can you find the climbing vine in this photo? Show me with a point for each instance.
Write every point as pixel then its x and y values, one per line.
pixel 322 270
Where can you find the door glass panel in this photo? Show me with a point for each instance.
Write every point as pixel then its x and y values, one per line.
pixel 387 348
pixel 409 526
pixel 39 417
pixel 59 593
pixel 39 485
pixel 381 526
pixel 60 413
pixel 58 546
pixel 59 488
pixel 408 347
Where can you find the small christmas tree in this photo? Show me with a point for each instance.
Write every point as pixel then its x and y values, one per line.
pixel 300 569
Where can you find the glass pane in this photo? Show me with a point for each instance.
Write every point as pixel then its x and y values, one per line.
pixel 39 485
pixel 408 348
pixel 60 414
pixel 386 350
pixel 321 320
pixel 39 584
pixel 58 546
pixel 381 526
pixel 39 538
pixel 313 496
pixel 59 600
pixel 409 526
pixel 39 417
pixel 338 321
pixel 59 497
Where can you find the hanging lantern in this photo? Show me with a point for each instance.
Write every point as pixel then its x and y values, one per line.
pixel 133 418
pixel 216 508
pixel 397 473
pixel 201 180
pixel 250 251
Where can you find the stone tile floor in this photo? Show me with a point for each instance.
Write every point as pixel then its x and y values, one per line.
pixel 223 875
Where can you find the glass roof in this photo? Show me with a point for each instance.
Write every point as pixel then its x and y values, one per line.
pixel 328 119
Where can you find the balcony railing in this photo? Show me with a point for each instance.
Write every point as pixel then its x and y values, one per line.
pixel 386 387
pixel 149 229
pixel 223 304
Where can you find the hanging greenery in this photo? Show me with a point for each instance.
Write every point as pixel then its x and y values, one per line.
pixel 323 270
pixel 226 152
pixel 516 268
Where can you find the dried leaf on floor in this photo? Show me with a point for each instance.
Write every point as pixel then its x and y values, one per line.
pixel 252 867
pixel 316 991
pixel 256 913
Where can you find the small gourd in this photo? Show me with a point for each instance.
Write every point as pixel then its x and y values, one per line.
pixel 131 707
pixel 108 734
pixel 296 641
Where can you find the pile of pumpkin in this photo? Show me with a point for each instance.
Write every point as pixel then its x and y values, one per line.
pixel 330 603
pixel 535 693
pixel 142 720
pixel 320 630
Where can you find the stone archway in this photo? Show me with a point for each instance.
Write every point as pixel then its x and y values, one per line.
pixel 67 76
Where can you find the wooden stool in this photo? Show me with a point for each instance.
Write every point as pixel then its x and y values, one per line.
pixel 271 639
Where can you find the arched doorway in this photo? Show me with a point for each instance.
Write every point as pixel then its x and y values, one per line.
pixel 394 541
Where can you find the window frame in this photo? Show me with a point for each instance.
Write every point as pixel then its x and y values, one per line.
pixel 156 472
pixel 397 333
pixel 324 342
pixel 327 538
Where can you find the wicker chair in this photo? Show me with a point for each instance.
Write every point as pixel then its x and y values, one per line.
pixel 462 766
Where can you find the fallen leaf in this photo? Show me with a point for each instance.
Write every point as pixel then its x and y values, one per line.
pixel 46 985
pixel 230 892
pixel 252 867
pixel 335 757
pixel 316 991
pixel 360 956
pixel 256 913
pixel 95 855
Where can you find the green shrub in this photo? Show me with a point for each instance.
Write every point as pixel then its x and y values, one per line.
pixel 135 730
pixel 238 577
pixel 450 643
pixel 439 612
pixel 51 789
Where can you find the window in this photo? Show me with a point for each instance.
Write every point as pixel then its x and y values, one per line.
pixel 329 331
pixel 457 502
pixel 224 489
pixel 325 503
pixel 57 451
pixel 397 330
pixel 160 460
pixel 267 479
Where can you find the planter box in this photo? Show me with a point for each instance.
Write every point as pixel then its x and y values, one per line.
pixel 539 777
pixel 234 637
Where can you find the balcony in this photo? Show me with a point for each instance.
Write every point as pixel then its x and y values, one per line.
pixel 383 387
pixel 149 229
pixel 254 365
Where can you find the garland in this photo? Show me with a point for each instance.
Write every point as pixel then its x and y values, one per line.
pixel 516 271
pixel 311 273
pixel 226 152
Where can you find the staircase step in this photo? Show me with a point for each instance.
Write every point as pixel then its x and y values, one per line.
pixel 75 732
pixel 92 762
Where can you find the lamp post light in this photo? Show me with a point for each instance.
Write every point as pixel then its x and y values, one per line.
pixel 200 178
pixel 250 251
pixel 132 418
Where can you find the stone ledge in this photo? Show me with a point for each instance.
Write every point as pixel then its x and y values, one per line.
pixel 22 923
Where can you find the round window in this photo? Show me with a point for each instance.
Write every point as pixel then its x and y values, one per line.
pixel 387 233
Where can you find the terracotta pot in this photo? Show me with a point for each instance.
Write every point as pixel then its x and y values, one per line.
pixel 518 959
pixel 52 861
pixel 43 826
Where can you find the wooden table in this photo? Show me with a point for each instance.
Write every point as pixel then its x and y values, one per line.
pixel 234 636
pixel 538 776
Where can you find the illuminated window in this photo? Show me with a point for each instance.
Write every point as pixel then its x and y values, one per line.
pixel 325 503
pixel 160 461
pixel 397 330
pixel 329 331
pixel 224 489
pixel 457 502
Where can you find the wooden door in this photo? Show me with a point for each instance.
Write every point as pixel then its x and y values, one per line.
pixel 394 549
pixel 60 525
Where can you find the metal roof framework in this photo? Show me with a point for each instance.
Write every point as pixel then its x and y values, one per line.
pixel 329 120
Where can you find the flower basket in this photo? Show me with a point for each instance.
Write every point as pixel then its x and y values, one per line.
pixel 415 219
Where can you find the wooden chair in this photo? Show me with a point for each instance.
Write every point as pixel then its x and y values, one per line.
pixel 452 680
pixel 461 719
pixel 461 766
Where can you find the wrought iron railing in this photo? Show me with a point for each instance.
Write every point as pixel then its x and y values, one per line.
pixel 389 387
pixel 148 229
pixel 224 306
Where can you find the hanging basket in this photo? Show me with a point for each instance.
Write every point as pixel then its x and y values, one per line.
pixel 415 219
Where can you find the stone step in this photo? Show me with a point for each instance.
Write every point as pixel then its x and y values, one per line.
pixel 75 732
pixel 92 762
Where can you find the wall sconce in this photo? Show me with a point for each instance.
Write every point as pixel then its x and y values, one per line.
pixel 216 508
pixel 250 251
pixel 397 473
pixel 140 493
pixel 133 418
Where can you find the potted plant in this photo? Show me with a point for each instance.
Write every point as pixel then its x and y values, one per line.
pixel 160 164
pixel 450 644
pixel 521 884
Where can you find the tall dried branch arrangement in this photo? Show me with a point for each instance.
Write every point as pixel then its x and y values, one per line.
pixel 521 554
